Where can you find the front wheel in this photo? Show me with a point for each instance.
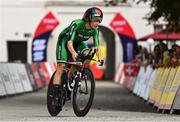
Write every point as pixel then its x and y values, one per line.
pixel 83 93
pixel 52 109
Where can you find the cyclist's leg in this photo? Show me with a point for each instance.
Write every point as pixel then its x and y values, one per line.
pixel 83 48
pixel 61 57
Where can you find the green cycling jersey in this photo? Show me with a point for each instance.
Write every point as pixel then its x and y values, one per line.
pixel 78 34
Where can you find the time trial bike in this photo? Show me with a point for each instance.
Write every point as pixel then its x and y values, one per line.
pixel 80 82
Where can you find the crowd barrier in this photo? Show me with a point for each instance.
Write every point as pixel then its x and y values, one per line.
pixel 159 87
pixel 16 78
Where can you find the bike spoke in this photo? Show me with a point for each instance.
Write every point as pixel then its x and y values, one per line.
pixel 82 93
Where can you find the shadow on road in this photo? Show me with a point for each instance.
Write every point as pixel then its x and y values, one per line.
pixel 111 96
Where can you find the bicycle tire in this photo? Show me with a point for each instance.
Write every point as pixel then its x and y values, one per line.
pixel 53 111
pixel 78 111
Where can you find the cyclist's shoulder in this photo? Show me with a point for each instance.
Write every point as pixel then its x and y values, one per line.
pixel 78 22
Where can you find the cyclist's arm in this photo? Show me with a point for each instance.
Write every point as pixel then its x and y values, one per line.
pixel 98 53
pixel 70 47
pixel 97 45
pixel 72 34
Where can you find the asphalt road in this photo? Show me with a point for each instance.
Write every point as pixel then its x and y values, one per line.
pixel 112 103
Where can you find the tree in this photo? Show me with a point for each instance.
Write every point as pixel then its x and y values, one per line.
pixel 169 10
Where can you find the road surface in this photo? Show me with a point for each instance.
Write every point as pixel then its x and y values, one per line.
pixel 112 103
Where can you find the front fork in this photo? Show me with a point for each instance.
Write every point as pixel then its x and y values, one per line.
pixel 81 88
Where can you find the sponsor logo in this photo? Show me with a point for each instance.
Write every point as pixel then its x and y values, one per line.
pixel 98 12
pixel 119 23
pixel 82 36
pixel 96 15
pixel 59 56
pixel 39 45
pixel 49 21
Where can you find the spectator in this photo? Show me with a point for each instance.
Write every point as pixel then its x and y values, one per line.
pixel 137 53
pixel 175 60
pixel 144 55
pixel 157 56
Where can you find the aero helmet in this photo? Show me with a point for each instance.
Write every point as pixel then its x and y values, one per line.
pixel 93 14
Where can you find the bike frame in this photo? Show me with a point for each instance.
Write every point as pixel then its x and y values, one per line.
pixel 72 81
pixel 78 64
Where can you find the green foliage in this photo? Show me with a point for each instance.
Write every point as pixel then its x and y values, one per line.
pixel 168 9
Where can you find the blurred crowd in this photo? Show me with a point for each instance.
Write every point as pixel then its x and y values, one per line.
pixel 114 2
pixel 160 56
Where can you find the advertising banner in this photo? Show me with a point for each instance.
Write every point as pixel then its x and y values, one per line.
pixel 127 36
pixel 161 85
pixel 119 73
pixel 41 36
pixel 167 87
pixel 149 84
pixel 155 82
pixel 173 90
pixel 41 74
pixel 2 86
pixel 36 76
pixel 8 83
pixel 31 77
pixel 176 103
pixel 12 68
pixel 137 81
pixel 142 82
pixel 49 68
pixel 45 72
pixel 24 77
pixel 130 70
pixel 145 83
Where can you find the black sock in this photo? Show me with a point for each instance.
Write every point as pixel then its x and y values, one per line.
pixel 57 88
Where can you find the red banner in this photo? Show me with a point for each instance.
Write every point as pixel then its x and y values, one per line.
pixel 48 23
pixel 131 69
pixel 41 36
pixel 121 26
pixel 45 72
pixel 37 76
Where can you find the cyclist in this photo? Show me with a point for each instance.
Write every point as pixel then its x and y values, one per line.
pixel 71 40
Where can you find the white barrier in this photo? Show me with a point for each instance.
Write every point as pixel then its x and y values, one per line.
pixel 20 78
pixel 12 68
pixel 137 81
pixel 31 77
pixel 45 72
pixel 118 74
pixel 145 85
pixel 141 85
pixel 41 74
pixel 24 77
pixel 144 81
pixel 9 86
pixel 149 84
pixel 176 103
pixel 160 87
pixel 2 87
pixel 50 70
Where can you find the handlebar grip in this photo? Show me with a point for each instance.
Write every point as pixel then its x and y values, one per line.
pixel 101 62
pixel 78 57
